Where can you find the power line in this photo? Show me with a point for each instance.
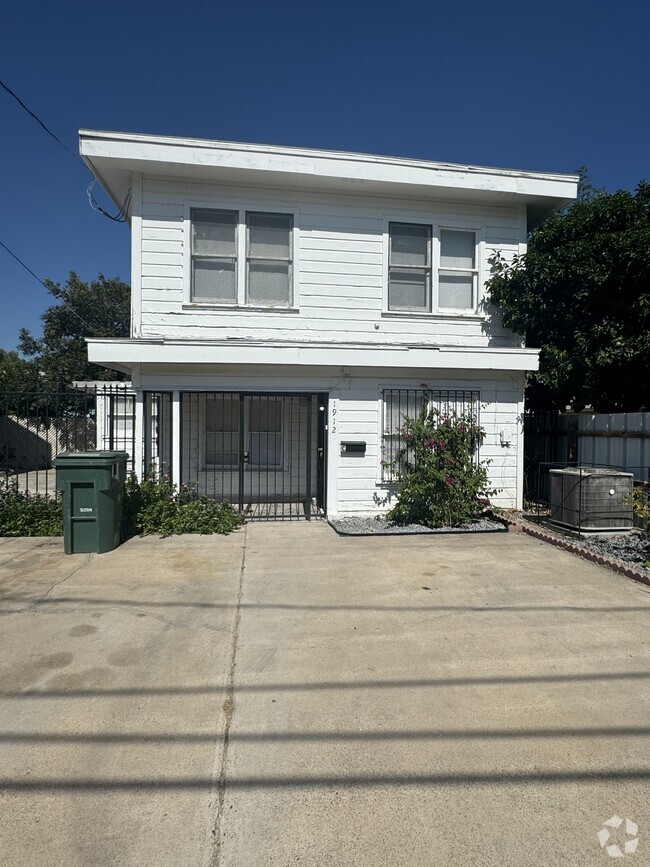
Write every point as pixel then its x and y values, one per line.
pixel 40 123
pixel 92 201
pixel 36 277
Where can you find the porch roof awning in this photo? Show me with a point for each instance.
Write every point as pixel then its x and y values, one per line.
pixel 124 354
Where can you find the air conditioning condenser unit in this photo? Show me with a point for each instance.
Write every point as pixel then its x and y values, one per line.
pixel 591 499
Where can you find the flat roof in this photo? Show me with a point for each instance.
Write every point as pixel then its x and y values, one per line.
pixel 114 156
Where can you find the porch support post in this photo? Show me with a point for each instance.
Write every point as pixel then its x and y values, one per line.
pixel 138 440
pixel 176 437
pixel 308 480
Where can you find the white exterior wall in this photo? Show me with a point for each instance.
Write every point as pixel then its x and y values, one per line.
pixel 340 258
pixel 357 480
pixel 354 484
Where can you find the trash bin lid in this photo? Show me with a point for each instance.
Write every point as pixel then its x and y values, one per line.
pixel 93 458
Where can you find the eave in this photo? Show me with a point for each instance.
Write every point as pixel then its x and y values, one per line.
pixel 113 157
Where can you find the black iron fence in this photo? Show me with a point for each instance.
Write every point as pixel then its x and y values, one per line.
pixel 35 427
pixel 262 452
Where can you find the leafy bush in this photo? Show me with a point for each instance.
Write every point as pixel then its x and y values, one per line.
pixel 440 482
pixel 640 499
pixel 156 505
pixel 25 514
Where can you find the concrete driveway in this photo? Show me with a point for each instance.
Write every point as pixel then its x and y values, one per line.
pixel 284 696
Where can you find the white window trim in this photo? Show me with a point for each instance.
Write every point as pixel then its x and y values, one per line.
pixel 242 207
pixel 248 468
pixel 436 227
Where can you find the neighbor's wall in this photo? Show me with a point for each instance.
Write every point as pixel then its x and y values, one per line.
pixel 340 261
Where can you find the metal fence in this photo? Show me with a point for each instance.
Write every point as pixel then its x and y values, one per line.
pixel 35 427
pixel 262 452
pixel 616 440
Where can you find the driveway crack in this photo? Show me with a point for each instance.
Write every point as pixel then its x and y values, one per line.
pixel 40 599
pixel 214 852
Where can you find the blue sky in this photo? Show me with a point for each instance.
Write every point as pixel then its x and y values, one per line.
pixel 547 86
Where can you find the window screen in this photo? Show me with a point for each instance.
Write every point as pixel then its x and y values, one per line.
pixel 409 267
pixel 214 256
pixel 457 273
pixel 222 430
pixel 265 432
pixel 269 258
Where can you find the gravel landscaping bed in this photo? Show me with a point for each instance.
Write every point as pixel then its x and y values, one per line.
pixel 352 526
pixel 631 548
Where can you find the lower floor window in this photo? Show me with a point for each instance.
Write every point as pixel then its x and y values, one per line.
pixel 262 429
pixel 401 403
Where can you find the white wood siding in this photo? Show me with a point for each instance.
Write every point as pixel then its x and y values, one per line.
pixel 359 490
pixel 354 482
pixel 341 268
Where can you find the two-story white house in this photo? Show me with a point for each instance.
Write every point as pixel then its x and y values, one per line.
pixel 290 306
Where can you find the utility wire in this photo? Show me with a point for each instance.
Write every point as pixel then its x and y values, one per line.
pixel 20 262
pixel 94 204
pixel 40 123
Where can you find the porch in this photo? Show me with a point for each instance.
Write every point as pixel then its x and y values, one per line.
pixel 263 452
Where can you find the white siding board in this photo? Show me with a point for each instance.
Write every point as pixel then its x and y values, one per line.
pixel 170 257
pixel 339 264
pixel 354 271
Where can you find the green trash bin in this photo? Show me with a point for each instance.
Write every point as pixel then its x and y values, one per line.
pixel 92 484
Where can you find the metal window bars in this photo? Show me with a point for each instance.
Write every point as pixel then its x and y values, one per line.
pixel 401 403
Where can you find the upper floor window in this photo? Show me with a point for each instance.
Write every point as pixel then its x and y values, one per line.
pixel 241 257
pixel 214 256
pixel 457 274
pixel 409 267
pixel 415 285
pixel 268 258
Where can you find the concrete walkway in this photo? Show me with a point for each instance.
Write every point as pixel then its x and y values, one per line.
pixel 285 696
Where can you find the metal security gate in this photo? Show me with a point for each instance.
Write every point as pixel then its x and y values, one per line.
pixel 264 453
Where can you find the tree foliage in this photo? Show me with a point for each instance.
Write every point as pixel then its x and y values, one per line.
pixel 99 308
pixel 582 294
pixel 16 373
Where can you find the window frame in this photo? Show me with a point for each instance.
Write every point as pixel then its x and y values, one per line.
pixel 427 270
pixel 205 257
pixel 437 226
pixel 242 208
pixel 474 272
pixel 249 258
pixel 248 467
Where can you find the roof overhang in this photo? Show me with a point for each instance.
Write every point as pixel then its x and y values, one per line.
pixel 112 157
pixel 124 354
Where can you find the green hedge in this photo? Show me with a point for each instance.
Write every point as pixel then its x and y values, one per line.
pixel 25 514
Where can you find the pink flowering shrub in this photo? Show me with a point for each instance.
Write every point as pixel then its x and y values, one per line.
pixel 441 482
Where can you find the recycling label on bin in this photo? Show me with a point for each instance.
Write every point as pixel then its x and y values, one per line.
pixel 83 500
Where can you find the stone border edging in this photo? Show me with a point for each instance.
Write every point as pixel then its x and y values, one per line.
pixel 585 553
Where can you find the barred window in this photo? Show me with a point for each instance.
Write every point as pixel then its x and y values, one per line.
pixel 401 403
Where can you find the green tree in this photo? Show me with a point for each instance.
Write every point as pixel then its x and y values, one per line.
pixel 16 373
pixel 582 294
pixel 99 308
